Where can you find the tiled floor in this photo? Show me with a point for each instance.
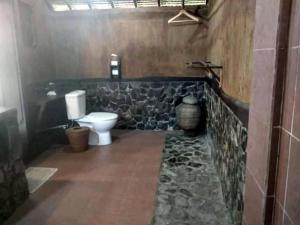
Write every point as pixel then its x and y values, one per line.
pixel 109 185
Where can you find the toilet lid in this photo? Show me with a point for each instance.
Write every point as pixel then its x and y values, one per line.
pixel 101 116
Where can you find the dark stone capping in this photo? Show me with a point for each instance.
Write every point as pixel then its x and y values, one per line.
pixel 240 109
pixel 13 183
pixel 229 136
pixel 145 78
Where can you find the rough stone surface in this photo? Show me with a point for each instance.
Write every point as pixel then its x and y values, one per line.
pixel 150 105
pixel 229 151
pixel 144 105
pixel 13 183
pixel 189 191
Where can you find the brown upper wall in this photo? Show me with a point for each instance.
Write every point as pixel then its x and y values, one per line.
pixel 34 43
pixel 81 44
pixel 84 41
pixel 230 44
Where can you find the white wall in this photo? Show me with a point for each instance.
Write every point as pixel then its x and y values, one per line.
pixel 10 80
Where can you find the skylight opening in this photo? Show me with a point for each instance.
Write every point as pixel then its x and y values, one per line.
pixel 101 6
pixel 147 3
pixel 194 2
pixel 79 6
pixel 84 5
pixel 126 4
pixel 60 7
pixel 171 3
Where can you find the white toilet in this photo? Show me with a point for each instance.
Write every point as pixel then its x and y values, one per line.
pixel 100 123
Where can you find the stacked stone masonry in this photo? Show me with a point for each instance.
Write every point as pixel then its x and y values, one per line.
pixel 229 137
pixel 13 183
pixel 144 105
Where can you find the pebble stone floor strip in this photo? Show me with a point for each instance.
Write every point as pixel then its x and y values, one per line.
pixel 189 191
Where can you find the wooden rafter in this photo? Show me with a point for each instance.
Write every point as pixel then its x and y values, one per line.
pixel 67 5
pixel 111 3
pixel 89 2
pixel 49 5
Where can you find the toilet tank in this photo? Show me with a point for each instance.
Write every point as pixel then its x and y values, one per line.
pixel 76 104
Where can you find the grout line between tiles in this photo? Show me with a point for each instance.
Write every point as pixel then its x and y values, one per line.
pixel 283 211
pixel 287 177
pixel 295 90
pixel 289 133
pixel 264 49
pixel 277 170
pixel 290 219
pixel 256 182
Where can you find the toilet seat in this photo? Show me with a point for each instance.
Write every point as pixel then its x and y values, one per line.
pixel 102 116
pixel 98 117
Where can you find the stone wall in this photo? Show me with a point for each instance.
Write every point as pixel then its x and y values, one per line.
pixel 229 137
pixel 13 183
pixel 140 104
pixel 189 191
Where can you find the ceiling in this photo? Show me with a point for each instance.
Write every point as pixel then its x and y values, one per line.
pixel 83 5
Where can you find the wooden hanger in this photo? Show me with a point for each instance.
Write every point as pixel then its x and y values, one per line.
pixel 191 18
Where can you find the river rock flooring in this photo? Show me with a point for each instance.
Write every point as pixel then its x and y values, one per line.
pixel 189 191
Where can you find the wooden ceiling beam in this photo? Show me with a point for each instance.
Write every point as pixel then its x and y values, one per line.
pixel 69 6
pixel 89 2
pixel 49 5
pixel 111 4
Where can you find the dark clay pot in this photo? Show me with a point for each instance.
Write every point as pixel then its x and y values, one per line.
pixel 78 138
pixel 188 114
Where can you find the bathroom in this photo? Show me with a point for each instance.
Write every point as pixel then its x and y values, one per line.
pixel 149 112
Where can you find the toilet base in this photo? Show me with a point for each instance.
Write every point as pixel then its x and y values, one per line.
pixel 100 138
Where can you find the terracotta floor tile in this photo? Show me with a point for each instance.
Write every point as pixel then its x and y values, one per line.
pixel 106 185
pixel 146 171
pixel 140 189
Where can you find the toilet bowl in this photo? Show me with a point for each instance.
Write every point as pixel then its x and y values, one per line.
pixel 100 123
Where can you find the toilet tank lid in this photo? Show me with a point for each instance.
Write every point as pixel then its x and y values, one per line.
pixel 76 93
